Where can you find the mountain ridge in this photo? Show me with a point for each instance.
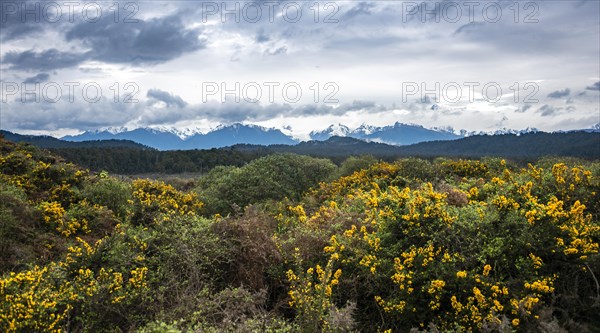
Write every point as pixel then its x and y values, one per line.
pixel 46 141
pixel 167 138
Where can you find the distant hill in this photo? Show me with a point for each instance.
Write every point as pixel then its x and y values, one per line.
pixel 45 141
pixel 530 145
pixel 145 136
pixel 335 146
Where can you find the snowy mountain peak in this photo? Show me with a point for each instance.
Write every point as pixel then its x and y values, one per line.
pixel 447 129
pixel 365 129
pixel 332 130
pixel 338 130
pixel 397 134
pixel 513 131
pixel 116 130
pixel 238 126
pixel 183 132
pixel 399 124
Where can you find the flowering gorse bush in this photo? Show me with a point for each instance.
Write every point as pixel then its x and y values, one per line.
pixel 493 263
pixel 47 298
pixel 156 202
pixel 310 294
pixel 450 245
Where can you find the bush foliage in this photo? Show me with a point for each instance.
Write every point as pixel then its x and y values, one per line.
pixel 289 243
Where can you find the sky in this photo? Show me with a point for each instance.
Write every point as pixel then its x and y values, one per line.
pixel 72 66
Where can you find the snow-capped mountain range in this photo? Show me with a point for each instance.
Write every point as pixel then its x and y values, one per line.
pixel 182 133
pixel 174 139
pixel 169 138
pixel 397 134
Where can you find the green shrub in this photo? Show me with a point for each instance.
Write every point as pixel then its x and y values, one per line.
pixel 355 163
pixel 110 192
pixel 227 189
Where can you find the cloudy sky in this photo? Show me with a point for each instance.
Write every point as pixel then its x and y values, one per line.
pixel 479 65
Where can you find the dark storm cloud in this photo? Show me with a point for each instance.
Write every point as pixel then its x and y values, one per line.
pixel 144 42
pixel 594 87
pixel 41 77
pixel 15 25
pixel 154 41
pixel 542 33
pixel 43 115
pixel 280 50
pixel 308 110
pixel 560 93
pixel 167 98
pixel 261 37
pixel 236 112
pixel 471 26
pixel 17 31
pixel 230 111
pixel 47 60
pixel 362 8
pixel 548 110
pixel 359 106
pixel 523 108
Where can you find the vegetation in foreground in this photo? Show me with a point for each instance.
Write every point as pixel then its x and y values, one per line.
pixel 289 243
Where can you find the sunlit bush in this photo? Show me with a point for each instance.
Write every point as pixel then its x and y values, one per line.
pixel 156 202
pixel 497 260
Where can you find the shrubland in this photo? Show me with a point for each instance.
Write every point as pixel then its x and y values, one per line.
pixel 289 243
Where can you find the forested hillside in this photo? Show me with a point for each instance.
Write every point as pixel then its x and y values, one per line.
pixel 44 141
pixel 528 145
pixel 290 243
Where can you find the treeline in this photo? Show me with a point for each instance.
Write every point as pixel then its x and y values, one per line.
pixel 123 160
